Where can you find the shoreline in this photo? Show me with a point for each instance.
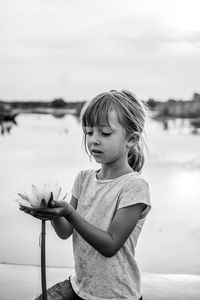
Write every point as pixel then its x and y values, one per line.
pixel 33 265
pixel 20 281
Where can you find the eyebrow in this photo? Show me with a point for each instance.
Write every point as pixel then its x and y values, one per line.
pixel 102 125
pixel 106 127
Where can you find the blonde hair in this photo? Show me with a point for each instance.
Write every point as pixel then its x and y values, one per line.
pixel 131 115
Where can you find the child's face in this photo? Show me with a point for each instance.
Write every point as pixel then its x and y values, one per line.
pixel 107 143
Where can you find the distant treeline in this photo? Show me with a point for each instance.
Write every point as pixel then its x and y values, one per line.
pixel 176 108
pixel 40 106
pixel 162 109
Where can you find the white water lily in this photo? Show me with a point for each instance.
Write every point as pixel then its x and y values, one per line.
pixel 39 197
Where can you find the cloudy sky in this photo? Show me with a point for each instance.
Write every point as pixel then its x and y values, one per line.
pixel 78 48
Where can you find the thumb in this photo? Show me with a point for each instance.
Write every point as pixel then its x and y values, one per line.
pixel 57 203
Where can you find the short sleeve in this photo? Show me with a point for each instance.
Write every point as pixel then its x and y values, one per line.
pixel 136 192
pixel 77 184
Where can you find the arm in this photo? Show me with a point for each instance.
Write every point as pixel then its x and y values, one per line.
pixel 60 224
pixel 107 242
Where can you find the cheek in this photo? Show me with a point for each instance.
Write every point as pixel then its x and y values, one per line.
pixel 88 142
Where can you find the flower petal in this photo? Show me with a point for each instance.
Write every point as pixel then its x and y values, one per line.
pixel 43 204
pixel 24 197
pixel 56 193
pixel 23 202
pixel 36 193
pixel 33 200
pixel 45 193
pixel 64 197
pixel 50 199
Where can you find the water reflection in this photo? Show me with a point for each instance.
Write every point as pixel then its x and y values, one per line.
pixel 7 122
pixel 184 125
pixel 46 149
pixel 165 124
pixel 191 126
pixel 195 123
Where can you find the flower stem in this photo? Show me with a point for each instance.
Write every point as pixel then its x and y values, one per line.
pixel 43 262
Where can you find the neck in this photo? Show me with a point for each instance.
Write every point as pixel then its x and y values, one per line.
pixel 111 171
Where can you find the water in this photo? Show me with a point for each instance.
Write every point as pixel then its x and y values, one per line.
pixel 45 149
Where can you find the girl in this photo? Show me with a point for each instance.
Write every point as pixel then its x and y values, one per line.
pixel 108 206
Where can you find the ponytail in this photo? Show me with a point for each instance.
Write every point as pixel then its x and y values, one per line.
pixel 136 158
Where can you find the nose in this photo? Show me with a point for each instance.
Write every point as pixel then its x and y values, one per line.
pixel 95 139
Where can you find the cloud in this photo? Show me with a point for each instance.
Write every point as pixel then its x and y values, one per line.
pixel 147 43
pixel 53 46
pixel 192 37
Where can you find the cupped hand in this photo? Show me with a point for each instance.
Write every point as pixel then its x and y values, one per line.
pixel 54 210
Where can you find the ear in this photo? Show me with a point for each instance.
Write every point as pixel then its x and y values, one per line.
pixel 133 139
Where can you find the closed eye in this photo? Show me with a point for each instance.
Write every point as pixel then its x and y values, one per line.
pixel 106 133
pixel 89 132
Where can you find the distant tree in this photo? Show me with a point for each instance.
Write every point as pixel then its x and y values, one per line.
pixel 196 97
pixel 171 101
pixel 151 103
pixel 59 102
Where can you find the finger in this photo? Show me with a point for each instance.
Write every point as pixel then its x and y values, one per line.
pixel 57 203
pixel 40 216
pixel 45 212
pixel 27 208
pixel 33 209
pixel 23 207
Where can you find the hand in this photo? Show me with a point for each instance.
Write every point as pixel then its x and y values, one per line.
pixel 56 209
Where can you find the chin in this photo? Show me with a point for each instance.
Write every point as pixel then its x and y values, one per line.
pixel 99 161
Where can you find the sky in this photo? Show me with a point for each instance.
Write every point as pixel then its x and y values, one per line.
pixel 75 49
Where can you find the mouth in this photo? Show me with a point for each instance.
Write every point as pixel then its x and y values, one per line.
pixel 95 151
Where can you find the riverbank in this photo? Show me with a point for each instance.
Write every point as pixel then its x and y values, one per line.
pixel 57 107
pixel 19 282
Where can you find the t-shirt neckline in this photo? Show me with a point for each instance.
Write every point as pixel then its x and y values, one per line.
pixel 109 180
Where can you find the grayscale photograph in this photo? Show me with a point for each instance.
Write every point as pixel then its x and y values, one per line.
pixel 99 150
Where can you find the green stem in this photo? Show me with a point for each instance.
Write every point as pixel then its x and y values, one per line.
pixel 43 262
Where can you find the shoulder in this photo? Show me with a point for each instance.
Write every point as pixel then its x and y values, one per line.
pixel 137 180
pixel 82 179
pixel 135 190
pixel 85 174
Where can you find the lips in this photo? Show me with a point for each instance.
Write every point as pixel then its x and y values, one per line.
pixel 95 151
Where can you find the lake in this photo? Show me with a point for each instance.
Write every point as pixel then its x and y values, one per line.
pixel 42 148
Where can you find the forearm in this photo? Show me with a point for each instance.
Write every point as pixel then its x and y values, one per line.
pixel 101 240
pixel 62 227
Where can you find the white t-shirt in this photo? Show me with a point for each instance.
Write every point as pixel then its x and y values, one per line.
pixel 98 277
